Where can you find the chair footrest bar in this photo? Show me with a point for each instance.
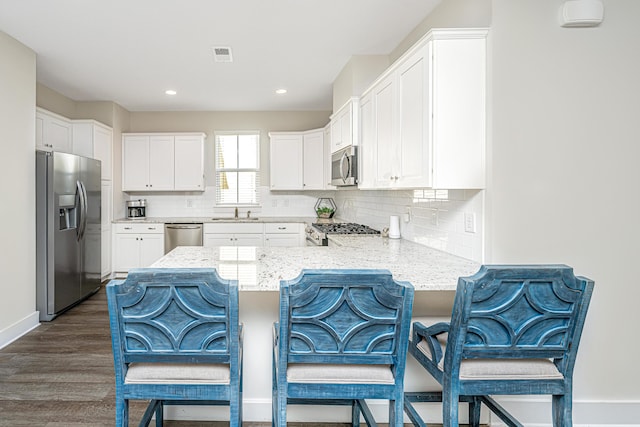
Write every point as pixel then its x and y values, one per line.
pixel 366 413
pixel 502 413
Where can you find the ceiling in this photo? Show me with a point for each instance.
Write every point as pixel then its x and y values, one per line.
pixel 131 51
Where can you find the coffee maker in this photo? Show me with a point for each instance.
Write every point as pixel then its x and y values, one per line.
pixel 136 209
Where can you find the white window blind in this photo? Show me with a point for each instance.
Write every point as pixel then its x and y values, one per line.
pixel 237 168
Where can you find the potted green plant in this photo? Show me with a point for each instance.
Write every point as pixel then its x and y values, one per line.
pixel 325 212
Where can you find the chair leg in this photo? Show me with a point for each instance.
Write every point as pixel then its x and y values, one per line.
pixel 281 408
pixel 396 413
pixel 122 412
pixel 561 408
pixel 450 408
pixel 474 412
pixel 355 414
pixel 235 410
pixel 160 415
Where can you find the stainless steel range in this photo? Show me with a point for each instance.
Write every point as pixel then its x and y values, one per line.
pixel 317 233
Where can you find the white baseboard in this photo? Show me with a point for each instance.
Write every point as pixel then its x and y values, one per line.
pixel 530 412
pixel 536 412
pixel 18 329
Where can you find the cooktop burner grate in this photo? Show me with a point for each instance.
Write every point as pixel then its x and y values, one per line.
pixel 345 228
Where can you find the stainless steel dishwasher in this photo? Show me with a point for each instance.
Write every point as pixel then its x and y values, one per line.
pixel 182 235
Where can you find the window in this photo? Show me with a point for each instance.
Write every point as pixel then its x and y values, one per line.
pixel 237 168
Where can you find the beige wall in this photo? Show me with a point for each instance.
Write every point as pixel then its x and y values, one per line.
pixel 449 14
pixel 17 181
pixel 564 176
pixel 356 76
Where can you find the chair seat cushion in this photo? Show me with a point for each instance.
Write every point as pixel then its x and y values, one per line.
pixel 501 369
pixel 339 374
pixel 177 373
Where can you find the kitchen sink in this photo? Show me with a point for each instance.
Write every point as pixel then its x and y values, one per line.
pixel 226 218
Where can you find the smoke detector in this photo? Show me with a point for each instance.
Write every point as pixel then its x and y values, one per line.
pixel 222 54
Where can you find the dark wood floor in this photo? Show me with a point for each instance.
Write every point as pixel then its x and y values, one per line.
pixel 61 374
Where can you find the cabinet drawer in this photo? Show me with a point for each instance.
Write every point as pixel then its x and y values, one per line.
pixel 233 227
pixel 282 228
pixel 139 228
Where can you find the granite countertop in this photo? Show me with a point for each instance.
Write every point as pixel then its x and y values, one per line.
pixel 213 220
pixel 262 268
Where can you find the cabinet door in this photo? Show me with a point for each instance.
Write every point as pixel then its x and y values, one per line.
pixel 314 158
pixel 57 133
pixel 105 226
pixel 367 147
pixel 102 144
pixel 211 240
pixel 105 262
pixel 286 162
pixel 161 163
pixel 414 168
pixel 151 248
pixel 40 133
pixel 249 240
pixel 135 163
pixel 282 240
pixel 336 134
pixel 189 163
pixel 386 148
pixel 126 252
pixel 346 136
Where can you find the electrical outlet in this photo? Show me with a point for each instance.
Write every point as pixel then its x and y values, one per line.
pixel 189 203
pixel 469 222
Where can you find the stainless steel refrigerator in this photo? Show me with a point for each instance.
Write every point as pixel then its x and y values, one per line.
pixel 67 231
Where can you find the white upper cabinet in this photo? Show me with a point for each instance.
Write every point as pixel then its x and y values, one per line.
pixel 189 163
pixel 298 160
pixel 163 162
pixel 95 140
pixel 423 120
pixel 53 132
pixel 313 160
pixel 286 161
pixel 344 126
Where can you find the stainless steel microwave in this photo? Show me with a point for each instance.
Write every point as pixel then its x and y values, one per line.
pixel 344 167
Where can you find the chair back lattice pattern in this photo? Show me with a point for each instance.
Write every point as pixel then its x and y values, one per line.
pixel 335 316
pixel 520 312
pixel 176 315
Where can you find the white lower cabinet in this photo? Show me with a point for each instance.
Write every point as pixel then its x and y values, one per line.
pixel 137 245
pixel 254 234
pixel 233 234
pixel 283 234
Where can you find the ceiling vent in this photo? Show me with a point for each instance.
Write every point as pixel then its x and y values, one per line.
pixel 222 54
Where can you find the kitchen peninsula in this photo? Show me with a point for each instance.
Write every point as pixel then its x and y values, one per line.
pixel 262 268
pixel 433 273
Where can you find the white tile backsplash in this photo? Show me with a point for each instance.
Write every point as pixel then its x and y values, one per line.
pixel 436 217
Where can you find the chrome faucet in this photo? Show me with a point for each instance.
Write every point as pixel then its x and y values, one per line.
pixel 235 215
pixel 248 214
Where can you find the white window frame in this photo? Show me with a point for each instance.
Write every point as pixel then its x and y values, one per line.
pixel 256 170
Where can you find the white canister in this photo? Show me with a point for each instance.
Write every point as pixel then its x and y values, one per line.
pixel 394 227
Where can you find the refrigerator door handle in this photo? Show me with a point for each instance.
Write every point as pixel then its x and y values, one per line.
pixel 83 210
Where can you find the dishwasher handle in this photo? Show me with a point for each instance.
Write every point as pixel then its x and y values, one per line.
pixel 183 227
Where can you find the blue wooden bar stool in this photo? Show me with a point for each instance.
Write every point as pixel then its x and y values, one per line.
pixel 514 330
pixel 341 338
pixel 176 341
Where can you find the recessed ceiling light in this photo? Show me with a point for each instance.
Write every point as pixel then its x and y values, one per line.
pixel 170 92
pixel 281 91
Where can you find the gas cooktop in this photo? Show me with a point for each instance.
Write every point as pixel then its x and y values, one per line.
pixel 344 228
